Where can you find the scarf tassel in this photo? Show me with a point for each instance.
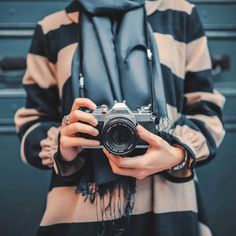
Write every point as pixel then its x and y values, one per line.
pixel 116 211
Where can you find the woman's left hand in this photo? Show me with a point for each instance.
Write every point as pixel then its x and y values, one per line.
pixel 159 156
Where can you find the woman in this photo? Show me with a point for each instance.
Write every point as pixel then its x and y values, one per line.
pixel 155 192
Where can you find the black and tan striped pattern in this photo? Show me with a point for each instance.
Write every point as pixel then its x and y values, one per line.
pixel 162 207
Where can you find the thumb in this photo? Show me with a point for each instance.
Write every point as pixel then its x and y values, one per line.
pixel 147 136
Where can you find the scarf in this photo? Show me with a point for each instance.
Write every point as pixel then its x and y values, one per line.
pixel 114 39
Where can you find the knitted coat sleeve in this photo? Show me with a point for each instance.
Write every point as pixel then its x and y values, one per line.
pixel 38 122
pixel 199 129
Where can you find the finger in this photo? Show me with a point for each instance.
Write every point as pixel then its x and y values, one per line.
pixel 44 142
pixel 76 127
pixel 44 154
pixel 135 173
pixel 83 102
pixel 78 115
pixel 66 141
pixel 47 152
pixel 147 136
pixel 137 162
pixel 53 132
pixel 47 162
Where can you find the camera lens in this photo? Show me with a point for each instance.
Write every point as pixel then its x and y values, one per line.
pixel 119 136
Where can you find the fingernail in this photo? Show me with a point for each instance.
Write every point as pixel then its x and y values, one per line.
pixel 97 143
pixel 96 133
pixel 95 122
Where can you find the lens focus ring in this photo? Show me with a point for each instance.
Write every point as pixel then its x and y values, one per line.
pixel 119 136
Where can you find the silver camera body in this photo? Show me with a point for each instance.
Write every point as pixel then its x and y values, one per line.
pixel 117 127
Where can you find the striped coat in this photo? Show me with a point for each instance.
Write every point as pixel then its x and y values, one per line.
pixel 163 207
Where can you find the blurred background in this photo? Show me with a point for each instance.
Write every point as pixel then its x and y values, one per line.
pixel 23 189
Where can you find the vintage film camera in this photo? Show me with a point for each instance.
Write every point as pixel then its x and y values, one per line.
pixel 117 127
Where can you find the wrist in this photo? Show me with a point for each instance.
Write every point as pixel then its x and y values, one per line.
pixel 184 158
pixel 178 156
pixel 66 154
pixel 69 154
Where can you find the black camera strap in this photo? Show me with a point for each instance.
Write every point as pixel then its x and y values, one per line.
pixel 77 77
pixel 150 61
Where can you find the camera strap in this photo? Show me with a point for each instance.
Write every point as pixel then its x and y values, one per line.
pixel 150 72
pixel 77 77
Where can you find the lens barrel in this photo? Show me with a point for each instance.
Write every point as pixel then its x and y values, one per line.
pixel 119 136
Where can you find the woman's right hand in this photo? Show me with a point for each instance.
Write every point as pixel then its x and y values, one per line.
pixel 70 143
